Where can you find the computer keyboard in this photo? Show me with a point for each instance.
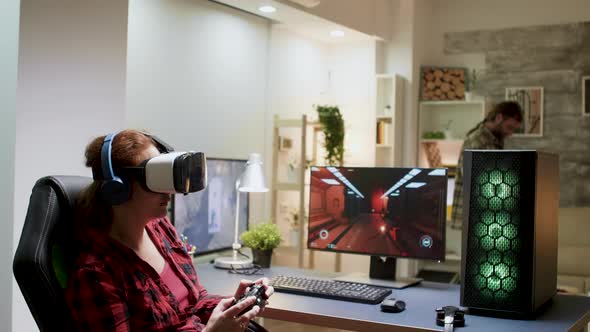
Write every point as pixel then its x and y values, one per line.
pixel 330 289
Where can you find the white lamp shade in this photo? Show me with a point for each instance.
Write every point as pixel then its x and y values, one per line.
pixel 252 179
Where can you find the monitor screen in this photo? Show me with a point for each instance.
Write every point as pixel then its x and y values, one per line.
pixel 207 217
pixel 395 212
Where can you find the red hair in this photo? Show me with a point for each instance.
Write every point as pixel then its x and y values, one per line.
pixel 92 213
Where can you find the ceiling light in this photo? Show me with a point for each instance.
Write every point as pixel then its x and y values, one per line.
pixel 267 9
pixel 337 33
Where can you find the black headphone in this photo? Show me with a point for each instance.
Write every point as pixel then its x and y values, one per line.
pixel 115 190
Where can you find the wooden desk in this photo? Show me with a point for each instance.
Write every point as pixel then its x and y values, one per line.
pixel 566 313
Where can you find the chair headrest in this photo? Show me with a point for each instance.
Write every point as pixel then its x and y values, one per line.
pixel 48 222
pixel 67 187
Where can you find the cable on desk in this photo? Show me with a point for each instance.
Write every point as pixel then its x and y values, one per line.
pixel 255 270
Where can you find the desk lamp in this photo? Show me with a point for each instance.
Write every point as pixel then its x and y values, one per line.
pixel 251 180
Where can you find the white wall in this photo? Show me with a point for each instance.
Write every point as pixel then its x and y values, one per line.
pixel 399 59
pixel 298 77
pixel 421 39
pixel 196 75
pixel 9 20
pixel 353 88
pixel 298 74
pixel 71 88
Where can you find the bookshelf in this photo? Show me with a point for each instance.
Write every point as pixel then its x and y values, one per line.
pixel 448 122
pixel 388 120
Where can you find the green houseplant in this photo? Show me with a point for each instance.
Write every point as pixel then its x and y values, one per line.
pixel 333 129
pixel 262 239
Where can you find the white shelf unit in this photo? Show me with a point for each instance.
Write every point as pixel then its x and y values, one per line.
pixel 388 119
pixel 435 116
pixel 292 190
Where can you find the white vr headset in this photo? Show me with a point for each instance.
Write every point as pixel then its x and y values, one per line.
pixel 170 172
pixel 175 172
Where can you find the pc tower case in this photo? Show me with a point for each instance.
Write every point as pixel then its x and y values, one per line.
pixel 510 221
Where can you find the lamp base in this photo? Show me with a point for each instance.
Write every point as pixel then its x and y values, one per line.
pixel 233 263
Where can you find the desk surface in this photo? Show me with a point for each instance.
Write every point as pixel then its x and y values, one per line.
pixel 566 313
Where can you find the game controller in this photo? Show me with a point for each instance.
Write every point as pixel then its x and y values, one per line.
pixel 257 291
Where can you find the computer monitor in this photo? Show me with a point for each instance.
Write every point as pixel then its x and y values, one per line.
pixel 207 217
pixel 382 212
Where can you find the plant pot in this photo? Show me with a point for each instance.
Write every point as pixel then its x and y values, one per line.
pixel 468 96
pixel 262 257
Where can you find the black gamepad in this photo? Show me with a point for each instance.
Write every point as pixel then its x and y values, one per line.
pixel 259 292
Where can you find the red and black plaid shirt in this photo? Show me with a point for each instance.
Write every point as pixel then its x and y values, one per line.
pixel 112 289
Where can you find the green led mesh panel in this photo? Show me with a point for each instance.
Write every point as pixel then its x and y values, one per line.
pixel 493 278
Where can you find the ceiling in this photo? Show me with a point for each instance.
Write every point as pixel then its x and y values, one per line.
pixel 298 21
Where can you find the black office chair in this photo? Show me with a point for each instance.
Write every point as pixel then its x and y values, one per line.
pixel 43 256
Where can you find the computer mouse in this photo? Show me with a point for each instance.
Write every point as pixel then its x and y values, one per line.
pixel 393 305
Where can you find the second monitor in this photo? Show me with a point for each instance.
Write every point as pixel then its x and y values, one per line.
pixel 207 218
pixel 382 212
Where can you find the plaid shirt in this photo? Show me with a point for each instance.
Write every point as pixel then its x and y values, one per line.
pixel 115 290
pixel 480 138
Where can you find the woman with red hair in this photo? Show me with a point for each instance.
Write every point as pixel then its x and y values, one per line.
pixel 133 273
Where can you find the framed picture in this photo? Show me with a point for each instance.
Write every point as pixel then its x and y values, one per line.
pixel 285 143
pixel 440 83
pixel 531 102
pixel 585 96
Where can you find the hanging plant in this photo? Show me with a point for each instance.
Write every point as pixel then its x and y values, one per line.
pixel 333 129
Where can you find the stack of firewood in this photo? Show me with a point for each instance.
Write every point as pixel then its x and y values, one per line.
pixel 443 84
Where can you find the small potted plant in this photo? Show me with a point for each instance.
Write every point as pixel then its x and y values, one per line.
pixel 262 239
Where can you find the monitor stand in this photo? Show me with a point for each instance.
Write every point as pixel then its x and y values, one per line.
pixel 381 273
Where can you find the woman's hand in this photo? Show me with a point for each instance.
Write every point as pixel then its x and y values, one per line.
pixel 226 315
pixel 245 285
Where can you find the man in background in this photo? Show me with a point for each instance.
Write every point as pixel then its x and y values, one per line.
pixel 504 119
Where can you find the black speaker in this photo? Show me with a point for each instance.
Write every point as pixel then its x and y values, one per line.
pixel 510 221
